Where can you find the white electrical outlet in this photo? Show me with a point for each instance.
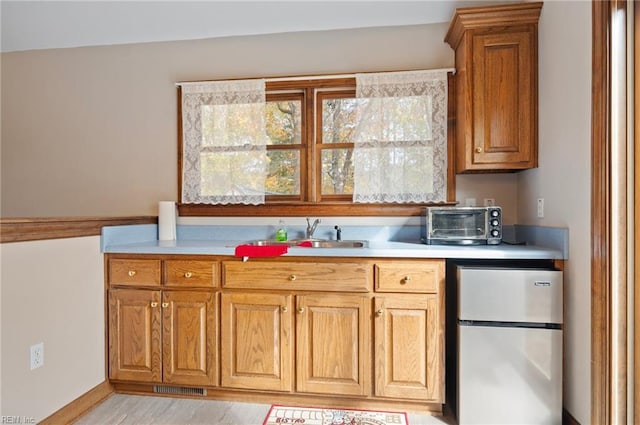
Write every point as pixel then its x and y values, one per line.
pixel 540 207
pixel 37 355
pixel 489 202
pixel 470 202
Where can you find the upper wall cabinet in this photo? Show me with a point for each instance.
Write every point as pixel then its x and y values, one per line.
pixel 496 91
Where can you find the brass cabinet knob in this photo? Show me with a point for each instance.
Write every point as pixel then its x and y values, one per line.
pixel 154 304
pixel 188 275
pixel 300 309
pixel 478 149
pixel 165 305
pixel 405 279
pixel 292 277
pixel 132 273
pixel 284 309
pixel 379 312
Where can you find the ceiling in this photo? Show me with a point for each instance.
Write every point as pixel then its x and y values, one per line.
pixel 45 24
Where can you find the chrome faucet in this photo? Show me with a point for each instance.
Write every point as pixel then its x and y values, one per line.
pixel 311 227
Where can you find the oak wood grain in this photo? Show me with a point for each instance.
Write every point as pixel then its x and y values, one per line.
pixel 42 228
pixel 332 344
pixel 409 341
pixel 191 273
pixel 257 341
pixel 80 406
pixel 409 276
pixel 133 272
pixel 496 87
pixel 135 335
pixel 189 338
pixel 324 276
pixel 600 216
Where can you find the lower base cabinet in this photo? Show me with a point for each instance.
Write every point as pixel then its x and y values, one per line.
pixel 256 341
pixel 163 336
pixel 332 337
pixel 280 327
pixel 408 347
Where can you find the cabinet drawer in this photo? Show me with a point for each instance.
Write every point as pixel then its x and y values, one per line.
pixel 422 276
pixel 194 273
pixel 348 277
pixel 134 272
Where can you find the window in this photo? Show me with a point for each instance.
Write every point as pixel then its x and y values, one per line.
pixel 311 127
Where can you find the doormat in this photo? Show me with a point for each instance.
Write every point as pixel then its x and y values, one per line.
pixel 320 416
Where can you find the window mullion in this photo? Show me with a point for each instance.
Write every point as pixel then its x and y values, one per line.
pixel 310 175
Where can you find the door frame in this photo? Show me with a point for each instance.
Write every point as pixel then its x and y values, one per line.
pixel 612 214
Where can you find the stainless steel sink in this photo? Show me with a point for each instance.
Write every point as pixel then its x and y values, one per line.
pixel 311 243
pixel 338 244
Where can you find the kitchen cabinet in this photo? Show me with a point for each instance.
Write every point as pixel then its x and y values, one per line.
pixel 158 335
pixel 256 341
pixel 409 329
pixel 300 328
pixel 496 102
pixel 333 354
pixel 408 347
pixel 332 328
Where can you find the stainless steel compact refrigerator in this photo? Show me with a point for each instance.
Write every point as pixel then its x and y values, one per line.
pixel 509 346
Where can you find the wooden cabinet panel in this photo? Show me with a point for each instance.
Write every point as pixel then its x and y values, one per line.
pixel 190 331
pixel 131 272
pixel 332 354
pixel 320 276
pixel 425 276
pixel 503 108
pixel 496 90
pixel 191 273
pixel 256 347
pixel 134 335
pixel 409 344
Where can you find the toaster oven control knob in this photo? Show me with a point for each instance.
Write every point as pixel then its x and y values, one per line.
pixel 495 233
pixel 495 213
pixel 494 222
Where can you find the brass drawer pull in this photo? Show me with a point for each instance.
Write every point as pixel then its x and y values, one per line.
pixel 478 150
pixel 284 309
pixel 165 305
pixel 188 275
pixel 132 273
pixel 292 277
pixel 300 309
pixel 379 312
pixel 405 279
pixel 154 304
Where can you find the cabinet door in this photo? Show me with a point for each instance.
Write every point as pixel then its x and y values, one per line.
pixel 135 335
pixel 504 100
pixel 256 341
pixel 409 336
pixel 333 354
pixel 189 323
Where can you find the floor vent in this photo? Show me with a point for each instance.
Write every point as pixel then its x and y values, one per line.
pixel 167 389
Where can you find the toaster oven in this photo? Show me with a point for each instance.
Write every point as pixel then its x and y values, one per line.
pixel 462 226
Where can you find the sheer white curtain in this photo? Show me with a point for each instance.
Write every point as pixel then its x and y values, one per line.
pixel 400 145
pixel 224 142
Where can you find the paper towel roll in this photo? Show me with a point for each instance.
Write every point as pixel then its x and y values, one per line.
pixel 167 215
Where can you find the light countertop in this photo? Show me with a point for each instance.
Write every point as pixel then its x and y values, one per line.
pixel 375 249
pixel 541 244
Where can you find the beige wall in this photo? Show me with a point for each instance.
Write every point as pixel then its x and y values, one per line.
pixel 92 131
pixel 563 178
pixel 52 292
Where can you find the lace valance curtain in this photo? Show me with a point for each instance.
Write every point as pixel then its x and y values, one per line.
pixel 224 142
pixel 400 145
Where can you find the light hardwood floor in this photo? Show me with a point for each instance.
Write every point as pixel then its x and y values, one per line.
pixel 121 409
